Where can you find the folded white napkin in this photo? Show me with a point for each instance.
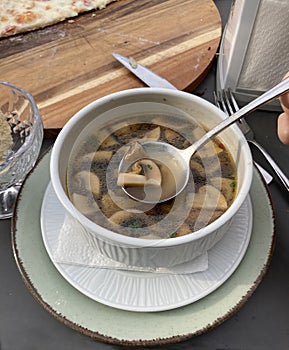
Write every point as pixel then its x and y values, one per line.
pixel 75 247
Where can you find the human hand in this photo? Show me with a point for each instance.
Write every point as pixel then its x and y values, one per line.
pixel 283 119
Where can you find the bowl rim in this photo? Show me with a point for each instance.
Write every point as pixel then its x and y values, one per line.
pixel 116 238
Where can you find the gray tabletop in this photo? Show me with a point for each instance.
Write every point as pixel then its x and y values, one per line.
pixel 262 323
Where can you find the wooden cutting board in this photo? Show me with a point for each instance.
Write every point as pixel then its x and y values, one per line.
pixel 68 65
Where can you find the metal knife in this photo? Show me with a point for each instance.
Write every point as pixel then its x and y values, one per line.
pixel 151 79
pixel 144 74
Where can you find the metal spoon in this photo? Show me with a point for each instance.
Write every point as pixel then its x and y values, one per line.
pixel 180 159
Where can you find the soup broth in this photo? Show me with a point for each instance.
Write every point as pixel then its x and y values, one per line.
pixel 93 171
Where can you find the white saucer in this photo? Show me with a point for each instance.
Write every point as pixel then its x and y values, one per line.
pixel 147 292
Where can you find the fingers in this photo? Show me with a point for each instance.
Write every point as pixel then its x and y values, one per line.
pixel 283 128
pixel 284 99
pixel 283 119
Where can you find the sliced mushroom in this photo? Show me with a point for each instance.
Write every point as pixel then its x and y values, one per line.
pixel 98 156
pixel 102 156
pixel 153 134
pixel 197 168
pixel 130 219
pixel 108 206
pixel 131 180
pixel 84 162
pixel 182 231
pixel 134 153
pixel 227 187
pixel 152 175
pixel 112 202
pixel 210 150
pixel 84 204
pixel 86 180
pixel 110 141
pixel 208 197
pixel 136 168
pixel 152 172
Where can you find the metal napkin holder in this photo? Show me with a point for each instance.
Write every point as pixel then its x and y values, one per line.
pixel 254 50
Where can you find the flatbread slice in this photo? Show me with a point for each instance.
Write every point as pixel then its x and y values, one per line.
pixel 18 16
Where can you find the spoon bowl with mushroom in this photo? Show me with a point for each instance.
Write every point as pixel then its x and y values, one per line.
pixel 157 187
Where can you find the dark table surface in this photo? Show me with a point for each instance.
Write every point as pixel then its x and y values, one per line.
pixel 262 323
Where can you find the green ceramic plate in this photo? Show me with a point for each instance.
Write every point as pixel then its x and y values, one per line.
pixel 116 326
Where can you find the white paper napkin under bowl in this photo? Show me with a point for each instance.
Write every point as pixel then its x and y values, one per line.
pixel 75 247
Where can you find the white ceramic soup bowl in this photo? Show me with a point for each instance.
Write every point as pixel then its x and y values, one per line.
pixel 119 106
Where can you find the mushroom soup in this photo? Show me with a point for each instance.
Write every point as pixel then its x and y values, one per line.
pixel 94 186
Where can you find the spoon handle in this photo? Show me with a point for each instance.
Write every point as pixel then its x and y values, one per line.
pixel 268 96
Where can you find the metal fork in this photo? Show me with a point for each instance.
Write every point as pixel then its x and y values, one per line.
pixel 226 101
